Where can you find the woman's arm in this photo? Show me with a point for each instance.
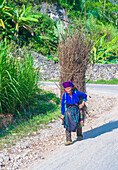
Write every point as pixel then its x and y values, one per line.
pixel 63 105
pixel 63 108
pixel 84 96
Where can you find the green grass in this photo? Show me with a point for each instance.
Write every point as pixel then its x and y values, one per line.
pixel 114 81
pixel 26 128
pixel 41 111
pixel 18 79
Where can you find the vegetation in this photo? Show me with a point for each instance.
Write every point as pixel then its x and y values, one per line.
pixel 28 27
pixel 23 28
pixel 21 128
pixel 22 22
pixel 18 79
pixel 100 17
pixel 104 10
pixel 13 20
pixel 44 40
pixel 114 81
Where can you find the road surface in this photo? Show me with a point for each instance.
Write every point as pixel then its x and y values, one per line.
pixel 107 90
pixel 98 150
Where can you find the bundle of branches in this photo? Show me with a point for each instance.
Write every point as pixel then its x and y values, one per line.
pixel 74 50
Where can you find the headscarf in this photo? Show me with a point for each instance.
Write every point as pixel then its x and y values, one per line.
pixel 68 84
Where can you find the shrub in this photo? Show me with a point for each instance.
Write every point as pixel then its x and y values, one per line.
pixel 18 79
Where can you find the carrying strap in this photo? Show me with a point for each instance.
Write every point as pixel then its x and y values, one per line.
pixel 65 103
pixel 65 111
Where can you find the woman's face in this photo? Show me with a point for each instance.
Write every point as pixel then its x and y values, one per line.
pixel 68 90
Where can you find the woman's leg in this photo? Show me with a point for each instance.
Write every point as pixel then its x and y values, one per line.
pixel 68 135
pixel 68 138
pixel 79 131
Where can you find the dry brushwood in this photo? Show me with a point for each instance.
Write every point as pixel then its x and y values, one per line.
pixel 74 50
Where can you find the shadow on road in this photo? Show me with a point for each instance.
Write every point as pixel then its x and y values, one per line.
pixel 108 127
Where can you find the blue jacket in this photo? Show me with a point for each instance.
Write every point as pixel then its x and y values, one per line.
pixel 75 99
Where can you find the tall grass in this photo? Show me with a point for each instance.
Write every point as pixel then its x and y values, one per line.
pixel 18 80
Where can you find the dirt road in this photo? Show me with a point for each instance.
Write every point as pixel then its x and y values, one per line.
pixel 99 149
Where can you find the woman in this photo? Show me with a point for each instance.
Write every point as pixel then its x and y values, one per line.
pixel 70 109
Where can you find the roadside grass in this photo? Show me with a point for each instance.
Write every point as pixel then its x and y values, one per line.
pixel 101 81
pixel 42 111
pixel 113 81
pixel 50 80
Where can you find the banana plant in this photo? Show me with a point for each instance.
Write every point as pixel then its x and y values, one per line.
pixel 19 18
pixel 12 19
pixel 102 49
pixel 3 9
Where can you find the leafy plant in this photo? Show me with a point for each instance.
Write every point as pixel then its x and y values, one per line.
pixel 18 80
pixel 13 19
pixel 45 40
pixel 103 10
pixel 102 49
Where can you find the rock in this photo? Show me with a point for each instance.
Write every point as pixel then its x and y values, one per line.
pixel 17 158
pixel 1 160
pixel 41 157
pixel 6 158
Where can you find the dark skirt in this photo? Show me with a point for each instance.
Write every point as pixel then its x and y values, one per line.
pixel 71 118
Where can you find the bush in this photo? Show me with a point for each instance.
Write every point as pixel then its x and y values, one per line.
pixel 44 40
pixel 19 79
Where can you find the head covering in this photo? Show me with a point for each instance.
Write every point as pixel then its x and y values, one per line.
pixel 68 84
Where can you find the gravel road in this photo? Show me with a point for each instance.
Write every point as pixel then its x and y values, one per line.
pixel 99 148
pixel 45 150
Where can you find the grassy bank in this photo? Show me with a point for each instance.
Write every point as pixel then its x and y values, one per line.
pixel 38 115
pixel 114 81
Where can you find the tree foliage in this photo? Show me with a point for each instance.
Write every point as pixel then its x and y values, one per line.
pixel 44 40
pixel 103 10
pixel 12 19
pixel 28 26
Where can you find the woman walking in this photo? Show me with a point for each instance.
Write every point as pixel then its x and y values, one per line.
pixel 70 109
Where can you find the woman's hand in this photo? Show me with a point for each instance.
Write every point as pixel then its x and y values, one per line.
pixel 81 105
pixel 62 119
pixel 62 116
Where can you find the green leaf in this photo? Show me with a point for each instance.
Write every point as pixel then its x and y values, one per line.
pixel 29 19
pixel 2 23
pixel 112 42
pixel 1 3
pixel 9 14
pixel 27 10
pixel 35 16
pixel 22 11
